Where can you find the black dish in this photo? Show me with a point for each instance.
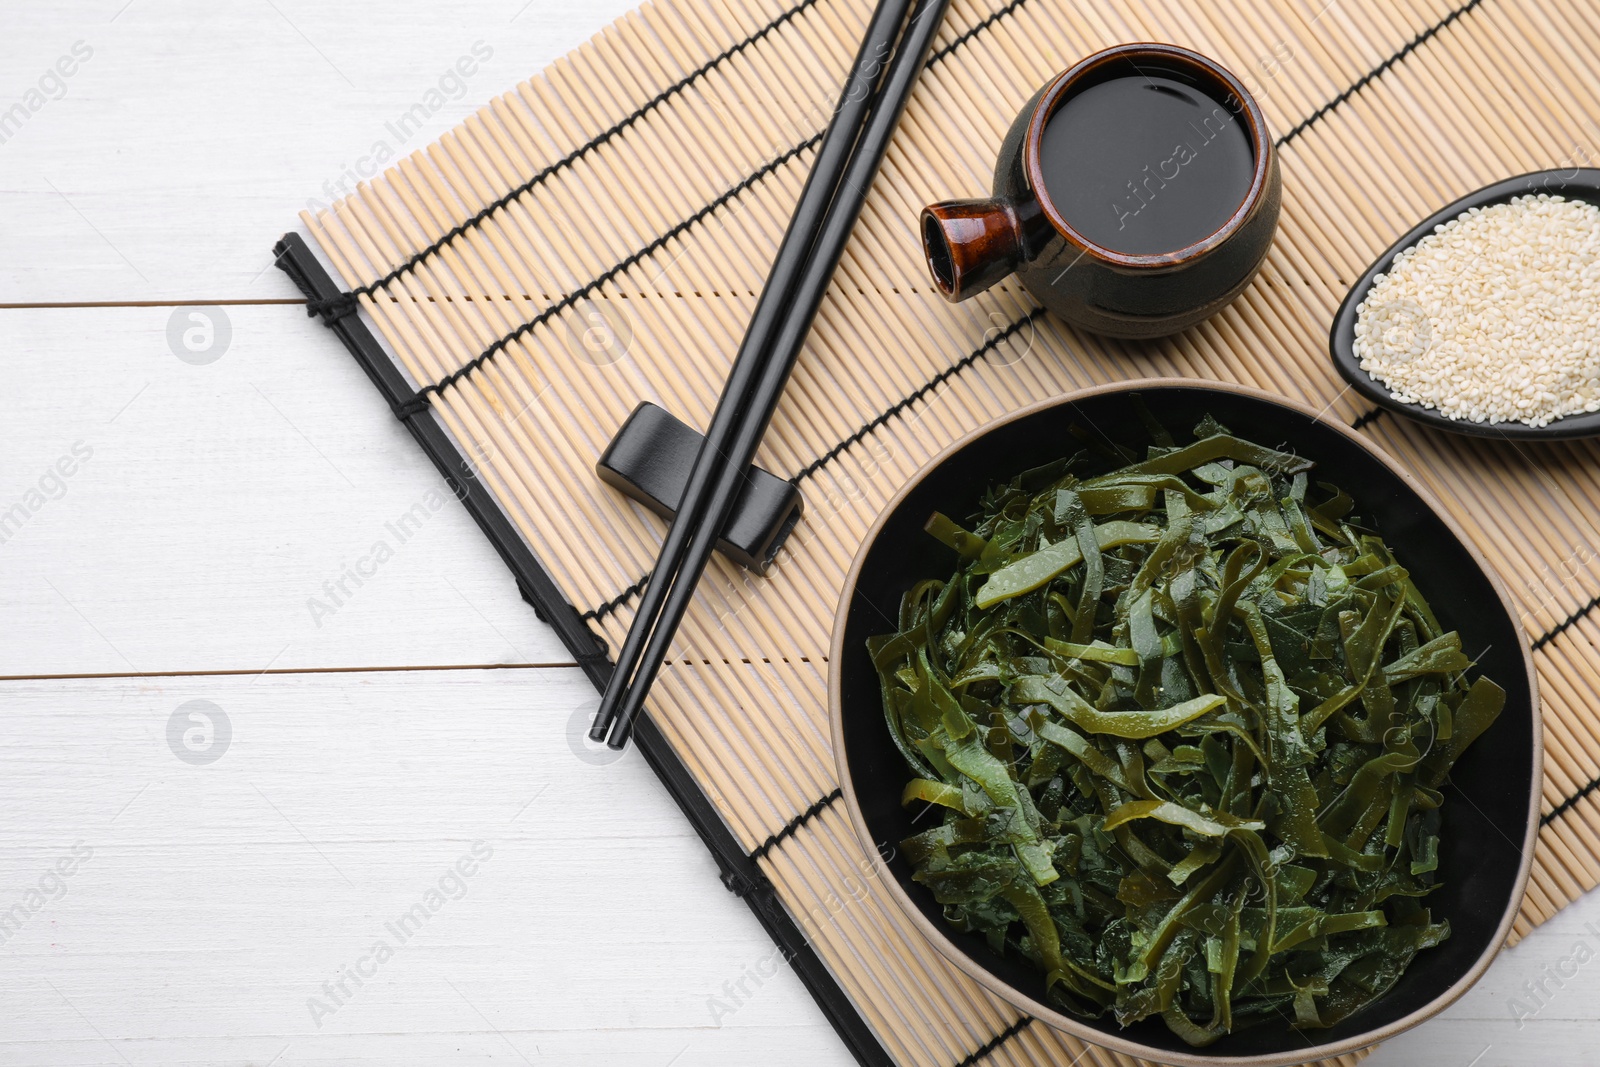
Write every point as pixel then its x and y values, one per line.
pixel 1575 183
pixel 1489 830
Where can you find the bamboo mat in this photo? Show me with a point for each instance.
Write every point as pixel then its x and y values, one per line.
pixel 602 270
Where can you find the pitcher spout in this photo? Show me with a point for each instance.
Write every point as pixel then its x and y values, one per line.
pixel 971 244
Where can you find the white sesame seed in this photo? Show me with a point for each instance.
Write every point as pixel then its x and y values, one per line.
pixel 1494 316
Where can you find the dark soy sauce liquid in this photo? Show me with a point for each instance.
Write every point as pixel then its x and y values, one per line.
pixel 1145 164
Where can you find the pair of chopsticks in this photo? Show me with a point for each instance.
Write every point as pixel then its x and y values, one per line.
pixel 846 162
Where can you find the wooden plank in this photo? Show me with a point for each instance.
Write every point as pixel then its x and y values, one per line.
pixel 1535 1004
pixel 208 902
pixel 221 516
pixel 189 135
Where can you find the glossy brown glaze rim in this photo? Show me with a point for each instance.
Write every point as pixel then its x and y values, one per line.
pixel 1260 144
pixel 1050 1016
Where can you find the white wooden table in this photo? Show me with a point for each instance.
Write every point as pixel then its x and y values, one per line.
pixel 215 799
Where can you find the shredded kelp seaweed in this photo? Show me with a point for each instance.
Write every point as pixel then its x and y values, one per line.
pixel 1186 724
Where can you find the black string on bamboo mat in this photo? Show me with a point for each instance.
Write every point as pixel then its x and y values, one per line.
pixel 1568 804
pixel 1377 72
pixel 917 394
pixel 419 401
pixel 598 613
pixel 1366 418
pixel 996 1041
pixel 974 30
pixel 337 307
pixel 1565 624
pixel 794 824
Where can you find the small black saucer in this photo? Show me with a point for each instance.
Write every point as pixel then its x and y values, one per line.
pixel 1574 183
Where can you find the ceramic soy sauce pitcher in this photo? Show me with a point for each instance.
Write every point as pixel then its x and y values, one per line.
pixel 1134 196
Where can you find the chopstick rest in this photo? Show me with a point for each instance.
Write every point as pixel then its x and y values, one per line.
pixel 649 460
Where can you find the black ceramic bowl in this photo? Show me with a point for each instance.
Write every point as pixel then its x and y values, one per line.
pixel 1575 183
pixel 1490 818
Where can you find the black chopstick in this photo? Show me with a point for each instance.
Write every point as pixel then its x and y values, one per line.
pixel 804 302
pixel 833 157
